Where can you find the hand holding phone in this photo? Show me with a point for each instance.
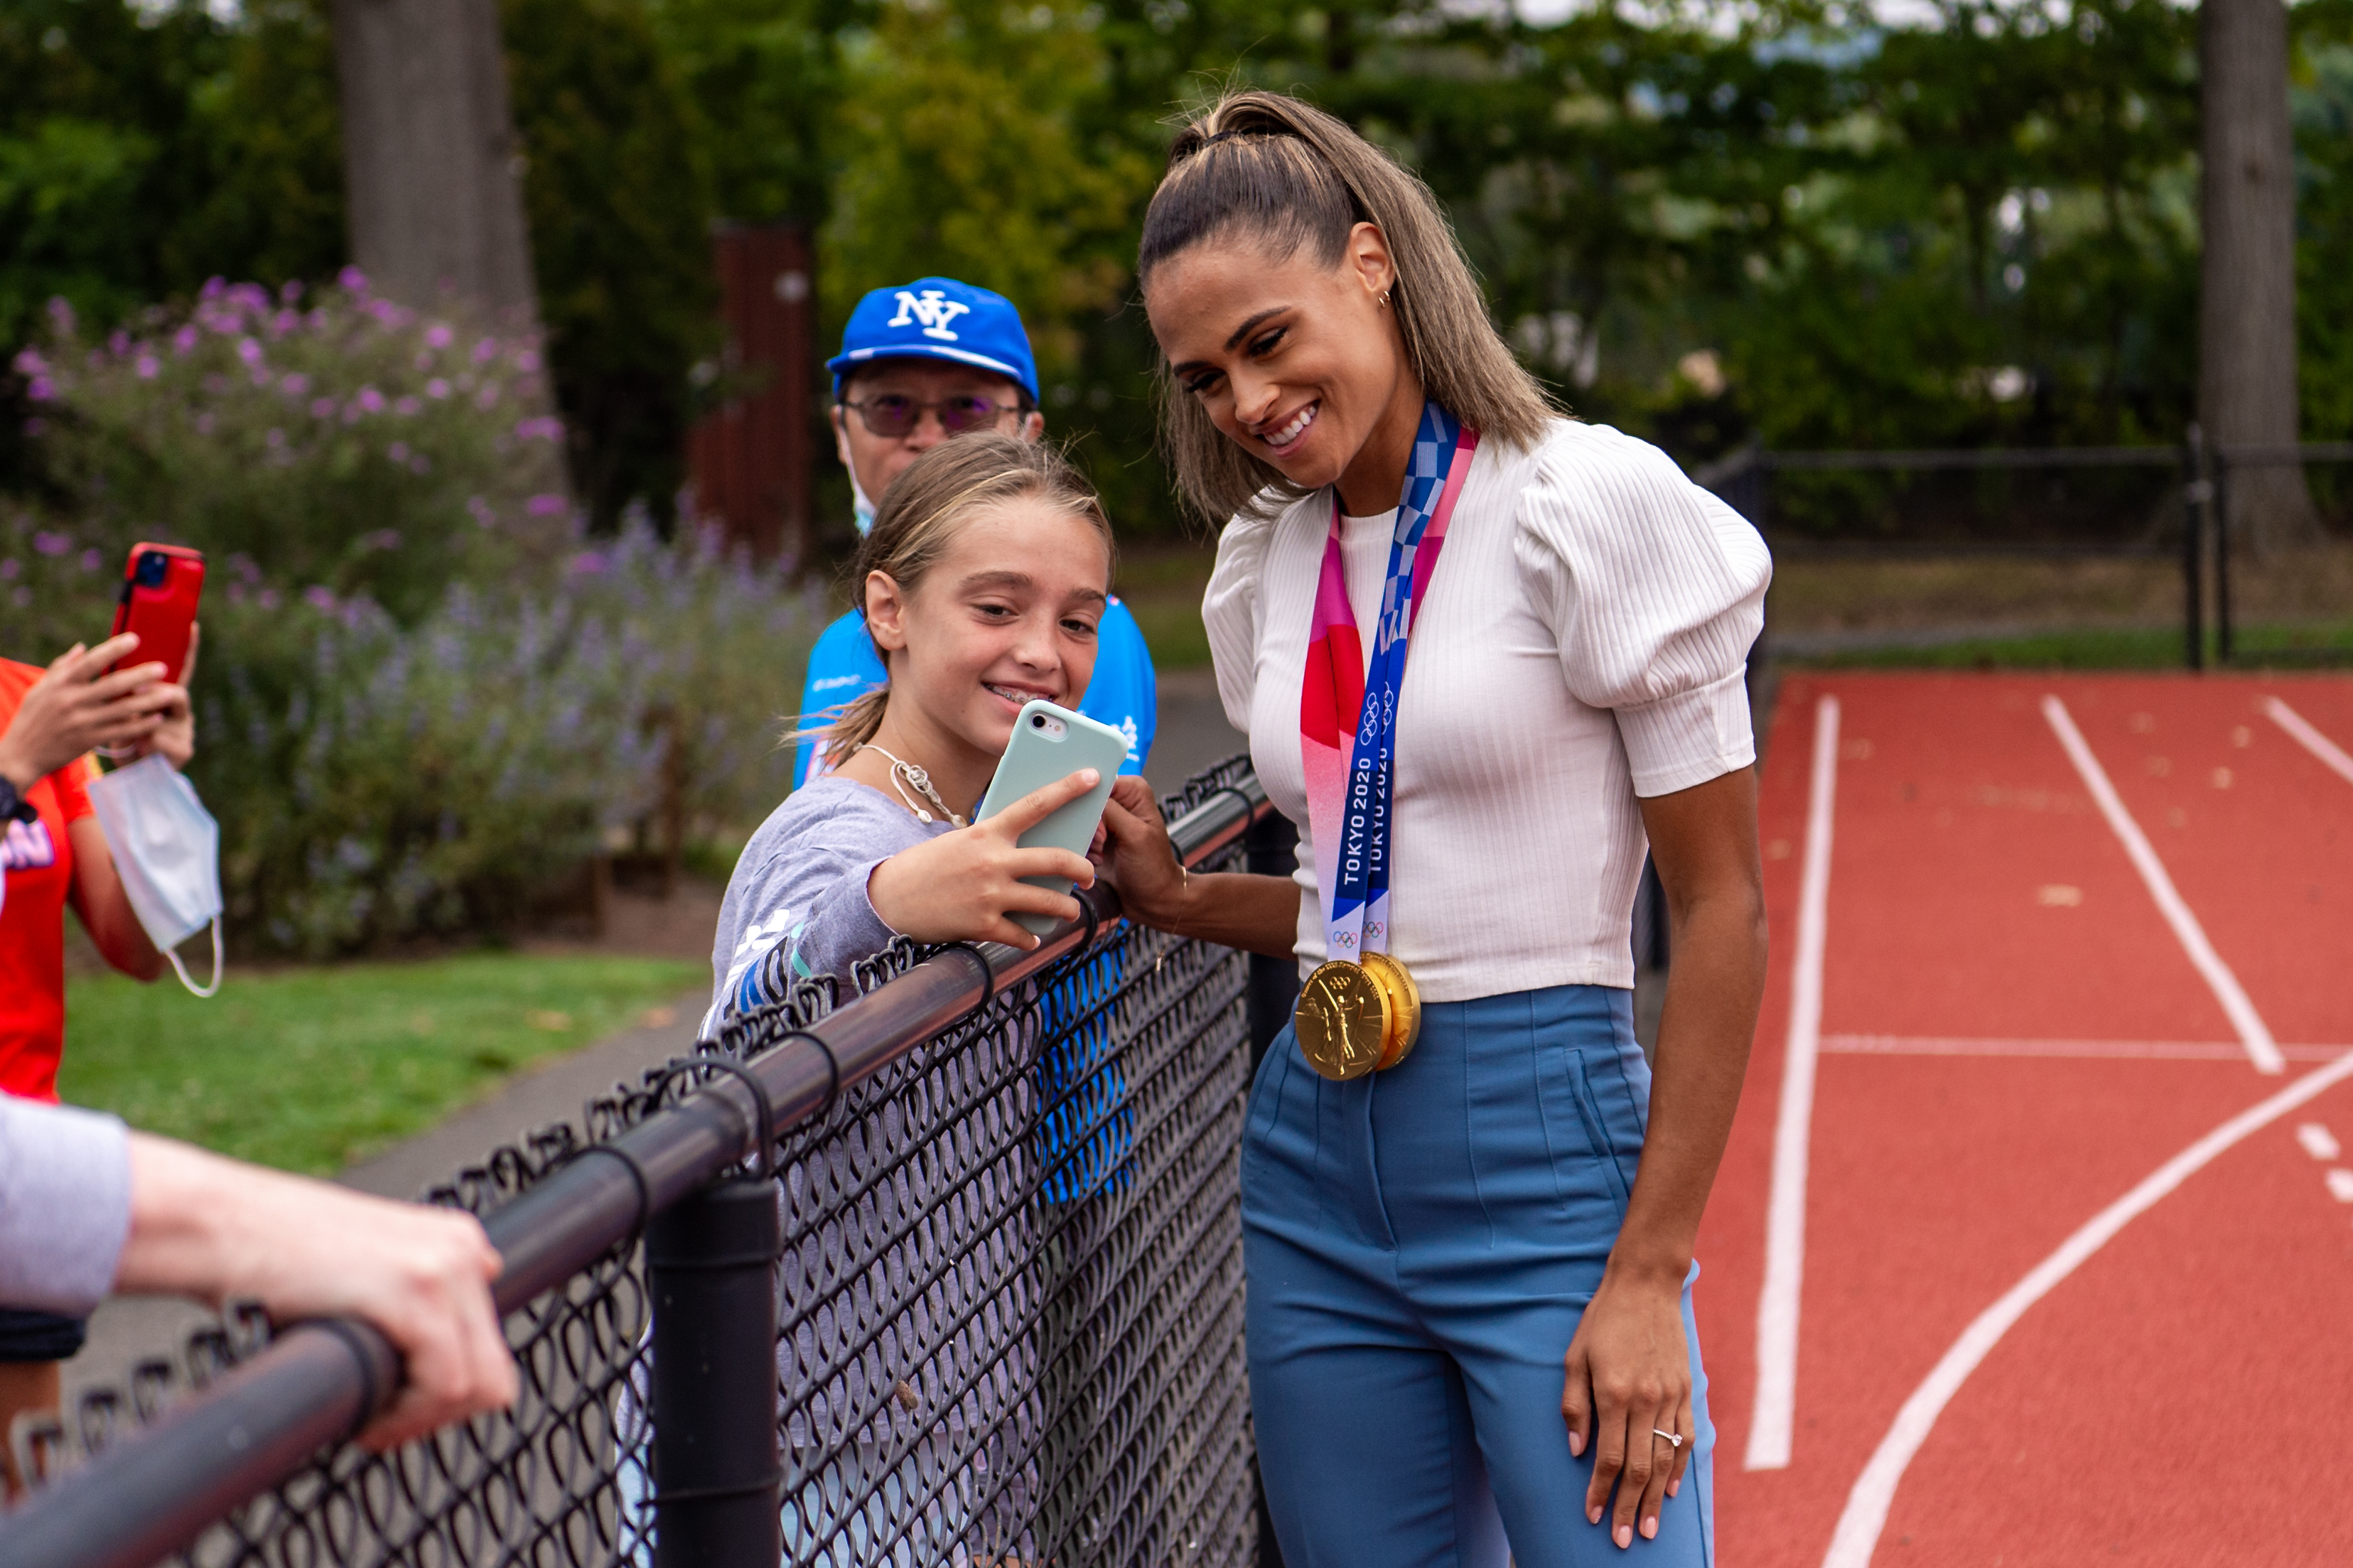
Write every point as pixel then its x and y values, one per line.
pixel 976 883
pixel 1008 878
pixel 1053 742
pixel 78 707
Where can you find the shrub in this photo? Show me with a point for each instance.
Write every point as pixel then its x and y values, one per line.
pixel 350 445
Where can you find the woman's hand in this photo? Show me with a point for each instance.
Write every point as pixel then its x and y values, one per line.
pixel 1235 908
pixel 77 707
pixel 1137 857
pixel 1629 1378
pixel 963 885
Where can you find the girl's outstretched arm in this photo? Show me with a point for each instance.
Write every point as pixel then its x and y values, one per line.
pixel 965 886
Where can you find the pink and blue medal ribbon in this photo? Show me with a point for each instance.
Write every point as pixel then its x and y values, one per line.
pixel 1347 705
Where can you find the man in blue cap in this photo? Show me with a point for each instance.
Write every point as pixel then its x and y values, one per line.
pixel 919 364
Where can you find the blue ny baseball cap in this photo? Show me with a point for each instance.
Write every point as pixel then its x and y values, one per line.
pixel 937 318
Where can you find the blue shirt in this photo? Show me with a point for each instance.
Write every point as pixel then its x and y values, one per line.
pixel 1124 692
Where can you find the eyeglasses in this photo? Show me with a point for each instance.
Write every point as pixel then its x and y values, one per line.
pixel 893 415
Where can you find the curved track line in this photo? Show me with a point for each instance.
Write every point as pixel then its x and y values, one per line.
pixel 2332 755
pixel 2253 1033
pixel 1785 1213
pixel 1874 1489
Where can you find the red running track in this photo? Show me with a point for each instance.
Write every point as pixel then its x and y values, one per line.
pixel 2180 1397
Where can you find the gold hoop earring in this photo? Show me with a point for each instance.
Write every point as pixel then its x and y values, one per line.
pixel 1385 299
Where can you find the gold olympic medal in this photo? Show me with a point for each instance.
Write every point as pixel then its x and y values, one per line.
pixel 1358 1018
pixel 1342 1020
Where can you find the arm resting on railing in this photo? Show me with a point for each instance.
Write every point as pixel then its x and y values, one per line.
pixel 219 1231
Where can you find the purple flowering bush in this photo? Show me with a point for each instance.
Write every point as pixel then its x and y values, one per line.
pixel 425 694
pixel 376 782
pixel 338 440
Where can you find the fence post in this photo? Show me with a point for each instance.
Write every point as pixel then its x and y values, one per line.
pixel 2219 500
pixel 1270 850
pixel 2195 489
pixel 711 1263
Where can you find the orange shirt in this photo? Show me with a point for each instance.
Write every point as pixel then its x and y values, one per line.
pixel 37 859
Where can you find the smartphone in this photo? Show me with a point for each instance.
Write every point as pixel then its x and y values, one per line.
pixel 161 584
pixel 1050 743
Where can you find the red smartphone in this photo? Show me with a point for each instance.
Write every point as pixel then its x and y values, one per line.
pixel 161 584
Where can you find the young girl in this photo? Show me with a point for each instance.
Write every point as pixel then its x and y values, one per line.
pixel 983 582
pixel 1438 1222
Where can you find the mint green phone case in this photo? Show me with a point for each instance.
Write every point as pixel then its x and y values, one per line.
pixel 1038 756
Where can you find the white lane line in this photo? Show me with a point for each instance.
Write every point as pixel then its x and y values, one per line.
pixel 2340 1185
pixel 1784 1214
pixel 2317 1141
pixel 2127 1050
pixel 2261 1048
pixel 1874 1491
pixel 2332 755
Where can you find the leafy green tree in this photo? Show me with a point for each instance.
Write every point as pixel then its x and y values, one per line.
pixel 143 151
pixel 963 154
pixel 768 77
pixel 619 197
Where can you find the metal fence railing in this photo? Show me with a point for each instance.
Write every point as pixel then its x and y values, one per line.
pixel 974 1299
pixel 2163 503
pixel 2325 470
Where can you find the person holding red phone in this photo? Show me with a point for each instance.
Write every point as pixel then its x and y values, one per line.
pixel 53 854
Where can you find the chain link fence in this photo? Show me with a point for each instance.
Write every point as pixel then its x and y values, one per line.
pixel 1009 1305
pixel 2247 552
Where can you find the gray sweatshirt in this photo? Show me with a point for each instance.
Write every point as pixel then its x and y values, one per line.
pixel 800 884
pixel 65 1206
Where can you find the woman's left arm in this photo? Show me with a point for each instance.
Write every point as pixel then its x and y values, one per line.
pixel 98 895
pixel 104 908
pixel 1629 1365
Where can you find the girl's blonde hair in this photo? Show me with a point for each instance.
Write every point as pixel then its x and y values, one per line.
pixel 1265 167
pixel 919 517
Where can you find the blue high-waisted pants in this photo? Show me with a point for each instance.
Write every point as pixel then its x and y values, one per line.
pixel 1420 1245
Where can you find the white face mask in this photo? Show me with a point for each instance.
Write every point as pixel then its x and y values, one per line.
pixel 861 509
pixel 166 848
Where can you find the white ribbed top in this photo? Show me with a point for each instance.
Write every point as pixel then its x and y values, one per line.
pixel 1583 643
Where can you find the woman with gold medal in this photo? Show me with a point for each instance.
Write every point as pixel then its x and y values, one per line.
pixel 1469 1206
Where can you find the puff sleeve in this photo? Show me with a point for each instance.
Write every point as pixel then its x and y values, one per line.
pixel 1230 614
pixel 1654 590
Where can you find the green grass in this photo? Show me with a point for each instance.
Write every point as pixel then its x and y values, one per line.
pixel 310 1070
pixel 2134 647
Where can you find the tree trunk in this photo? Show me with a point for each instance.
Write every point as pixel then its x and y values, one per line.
pixel 430 156
pixel 2246 329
